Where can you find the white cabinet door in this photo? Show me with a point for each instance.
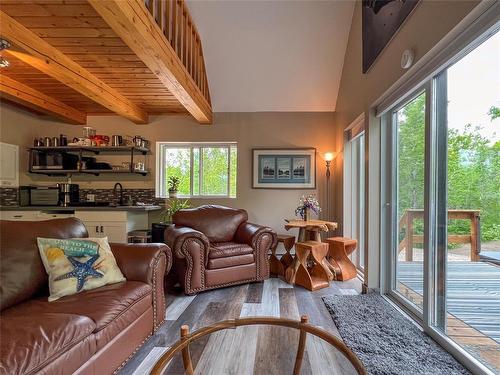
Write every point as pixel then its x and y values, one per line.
pixel 94 228
pixel 115 231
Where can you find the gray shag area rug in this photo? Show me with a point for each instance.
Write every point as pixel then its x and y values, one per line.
pixel 385 341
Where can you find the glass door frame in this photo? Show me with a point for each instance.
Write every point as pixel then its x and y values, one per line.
pixel 432 318
pixel 390 218
pixel 357 195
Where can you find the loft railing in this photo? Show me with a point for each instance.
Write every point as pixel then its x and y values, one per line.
pixel 474 238
pixel 173 18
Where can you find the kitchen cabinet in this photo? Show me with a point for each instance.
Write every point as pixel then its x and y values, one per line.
pixel 33 215
pixel 115 231
pixel 114 225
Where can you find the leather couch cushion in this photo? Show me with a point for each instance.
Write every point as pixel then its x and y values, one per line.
pixel 218 223
pixel 102 305
pixel 228 249
pixel 30 342
pixel 22 274
pixel 230 261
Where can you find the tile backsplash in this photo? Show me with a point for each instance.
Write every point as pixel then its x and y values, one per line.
pixel 9 196
pixel 138 195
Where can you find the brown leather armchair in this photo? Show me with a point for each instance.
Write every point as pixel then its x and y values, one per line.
pixel 215 246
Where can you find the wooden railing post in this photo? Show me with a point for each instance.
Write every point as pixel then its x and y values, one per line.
pixel 186 356
pixel 409 236
pixel 475 237
pixel 301 348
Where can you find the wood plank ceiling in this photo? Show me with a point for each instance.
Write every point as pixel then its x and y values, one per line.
pixel 74 28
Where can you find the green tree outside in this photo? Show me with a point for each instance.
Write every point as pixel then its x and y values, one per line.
pixel 473 171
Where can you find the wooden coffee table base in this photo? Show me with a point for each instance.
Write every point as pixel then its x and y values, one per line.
pixel 182 346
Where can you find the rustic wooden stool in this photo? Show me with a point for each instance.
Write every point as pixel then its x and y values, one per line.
pixel 339 249
pixel 308 269
pixel 277 266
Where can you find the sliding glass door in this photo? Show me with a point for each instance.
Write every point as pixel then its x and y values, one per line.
pixel 408 132
pixel 442 206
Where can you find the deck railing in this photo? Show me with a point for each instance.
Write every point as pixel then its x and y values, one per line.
pixel 410 239
pixel 174 20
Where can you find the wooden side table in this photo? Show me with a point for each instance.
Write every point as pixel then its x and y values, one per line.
pixel 301 272
pixel 310 231
pixel 277 266
pixel 339 249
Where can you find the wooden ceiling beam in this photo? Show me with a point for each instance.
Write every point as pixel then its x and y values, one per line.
pixel 49 60
pixel 38 101
pixel 131 20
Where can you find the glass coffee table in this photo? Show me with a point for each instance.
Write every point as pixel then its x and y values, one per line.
pixel 258 345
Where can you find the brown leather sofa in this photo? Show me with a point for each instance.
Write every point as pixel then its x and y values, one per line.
pixel 215 246
pixel 93 332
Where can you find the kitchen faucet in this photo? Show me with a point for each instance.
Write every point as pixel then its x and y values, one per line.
pixel 115 188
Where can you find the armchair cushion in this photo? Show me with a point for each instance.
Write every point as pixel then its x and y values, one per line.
pixel 218 223
pixel 239 260
pixel 228 249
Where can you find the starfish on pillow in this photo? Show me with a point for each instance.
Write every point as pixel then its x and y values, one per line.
pixel 81 271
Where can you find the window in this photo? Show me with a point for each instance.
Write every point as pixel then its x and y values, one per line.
pixel 204 169
pixel 354 188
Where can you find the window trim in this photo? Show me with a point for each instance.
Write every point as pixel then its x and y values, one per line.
pixel 160 156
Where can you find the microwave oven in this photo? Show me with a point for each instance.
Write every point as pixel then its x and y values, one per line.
pixel 38 196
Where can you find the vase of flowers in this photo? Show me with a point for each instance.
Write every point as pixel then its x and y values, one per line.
pixel 306 205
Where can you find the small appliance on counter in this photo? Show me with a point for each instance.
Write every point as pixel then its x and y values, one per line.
pixel 38 195
pixel 69 194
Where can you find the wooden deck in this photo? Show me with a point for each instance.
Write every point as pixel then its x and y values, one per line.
pixel 473 304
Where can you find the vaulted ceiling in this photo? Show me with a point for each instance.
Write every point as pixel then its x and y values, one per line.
pixel 273 55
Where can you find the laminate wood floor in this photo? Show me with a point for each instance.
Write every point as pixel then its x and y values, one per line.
pixel 247 350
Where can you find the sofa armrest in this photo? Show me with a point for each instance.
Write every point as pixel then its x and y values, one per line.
pixel 147 263
pixel 184 239
pixel 256 236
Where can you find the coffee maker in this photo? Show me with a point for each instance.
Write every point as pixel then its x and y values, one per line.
pixel 69 194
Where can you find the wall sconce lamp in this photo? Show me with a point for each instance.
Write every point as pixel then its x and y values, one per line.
pixel 328 156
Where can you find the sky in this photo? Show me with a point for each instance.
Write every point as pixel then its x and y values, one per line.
pixel 473 87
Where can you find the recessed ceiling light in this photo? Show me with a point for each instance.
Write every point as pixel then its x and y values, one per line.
pixel 3 63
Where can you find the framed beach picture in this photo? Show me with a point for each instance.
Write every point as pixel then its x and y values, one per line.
pixel 293 168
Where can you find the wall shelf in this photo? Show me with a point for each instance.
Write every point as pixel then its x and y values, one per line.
pixel 84 150
pixel 94 150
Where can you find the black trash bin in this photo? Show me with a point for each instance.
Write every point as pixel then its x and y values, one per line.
pixel 158 232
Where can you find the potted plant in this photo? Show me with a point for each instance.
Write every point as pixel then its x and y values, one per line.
pixel 171 207
pixel 307 204
pixel 173 186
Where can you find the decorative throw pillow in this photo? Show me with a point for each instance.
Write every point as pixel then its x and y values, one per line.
pixel 78 264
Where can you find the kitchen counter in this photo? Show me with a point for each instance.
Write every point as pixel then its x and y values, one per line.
pixel 81 208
